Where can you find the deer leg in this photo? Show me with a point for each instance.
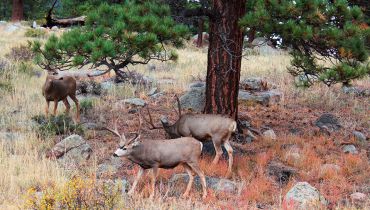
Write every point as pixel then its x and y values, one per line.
pixel 68 107
pixel 218 149
pixel 195 167
pixel 74 98
pixel 55 107
pixel 154 179
pixel 47 108
pixel 191 179
pixel 230 151
pixel 138 176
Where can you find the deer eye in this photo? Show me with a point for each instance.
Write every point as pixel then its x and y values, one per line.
pixel 123 148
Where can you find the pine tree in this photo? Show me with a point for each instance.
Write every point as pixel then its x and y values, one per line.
pixel 315 31
pixel 114 36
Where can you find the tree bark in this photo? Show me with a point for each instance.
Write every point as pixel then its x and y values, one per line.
pixel 17 10
pixel 224 57
pixel 200 32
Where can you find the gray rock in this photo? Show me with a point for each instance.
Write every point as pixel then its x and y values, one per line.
pixel 356 91
pixel 157 95
pixel 135 101
pixel 197 85
pixel 54 28
pixel 328 122
pixel 151 67
pixel 281 172
pixel 10 136
pixel 303 196
pixel 34 24
pixel 2 22
pixel 71 151
pixel 194 99
pixel 90 126
pixel 107 85
pixel 153 91
pixel 269 135
pixel 350 149
pixel 216 184
pixel 253 84
pixel 12 27
pixel 109 167
pixel 359 136
pixel 265 98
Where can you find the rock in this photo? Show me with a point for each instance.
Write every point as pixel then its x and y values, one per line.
pixel 135 101
pixel 216 184
pixel 54 28
pixel 157 95
pixel 12 27
pixel 250 137
pixel 71 151
pixel 303 196
pixel 245 124
pixel 34 24
pixel 356 91
pixel 109 167
pixel 90 126
pixel 197 85
pixel 281 172
pixel 10 136
pixel 350 149
pixel 2 22
pixel 265 98
pixel 328 122
pixel 358 197
pixel 253 84
pixel 194 99
pixel 153 91
pixel 360 137
pixel 269 135
pixel 328 169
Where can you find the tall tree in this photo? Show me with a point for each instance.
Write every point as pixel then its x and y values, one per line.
pixel 224 57
pixel 17 10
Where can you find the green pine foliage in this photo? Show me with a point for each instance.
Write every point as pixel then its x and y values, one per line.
pixel 115 36
pixel 315 30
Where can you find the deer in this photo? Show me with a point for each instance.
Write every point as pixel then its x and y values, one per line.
pixel 58 88
pixel 166 154
pixel 203 127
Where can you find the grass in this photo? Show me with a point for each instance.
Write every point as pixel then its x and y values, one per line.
pixel 24 167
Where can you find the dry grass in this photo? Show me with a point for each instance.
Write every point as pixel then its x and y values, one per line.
pixel 24 166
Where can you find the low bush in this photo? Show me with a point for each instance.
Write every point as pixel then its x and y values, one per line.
pixel 57 125
pixel 86 105
pixel 20 53
pixel 35 33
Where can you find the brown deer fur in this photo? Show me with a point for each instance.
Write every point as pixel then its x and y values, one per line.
pixel 167 154
pixel 205 127
pixel 57 88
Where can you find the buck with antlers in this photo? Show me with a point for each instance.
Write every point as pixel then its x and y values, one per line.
pixel 167 154
pixel 58 88
pixel 203 127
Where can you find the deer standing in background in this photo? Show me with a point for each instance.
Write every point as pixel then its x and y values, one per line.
pixel 58 88
pixel 203 127
pixel 167 154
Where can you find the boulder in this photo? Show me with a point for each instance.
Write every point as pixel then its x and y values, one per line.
pixel 216 184
pixel 135 101
pixel 197 85
pixel 265 98
pixel 269 135
pixel 328 122
pixel 360 137
pixel 153 91
pixel 253 84
pixel 281 172
pixel 12 27
pixel 194 99
pixel 71 151
pixel 54 28
pixel 303 196
pixel 358 197
pixel 350 148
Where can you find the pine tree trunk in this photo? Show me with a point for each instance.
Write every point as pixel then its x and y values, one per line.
pixel 17 10
pixel 224 57
pixel 200 32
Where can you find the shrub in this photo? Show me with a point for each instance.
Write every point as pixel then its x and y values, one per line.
pixel 20 53
pixel 35 33
pixel 86 104
pixel 56 125
pixel 77 193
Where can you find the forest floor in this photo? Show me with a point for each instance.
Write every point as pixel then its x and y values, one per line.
pixel 25 170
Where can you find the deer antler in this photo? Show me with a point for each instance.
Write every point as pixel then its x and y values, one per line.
pixel 115 131
pixel 178 105
pixel 150 122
